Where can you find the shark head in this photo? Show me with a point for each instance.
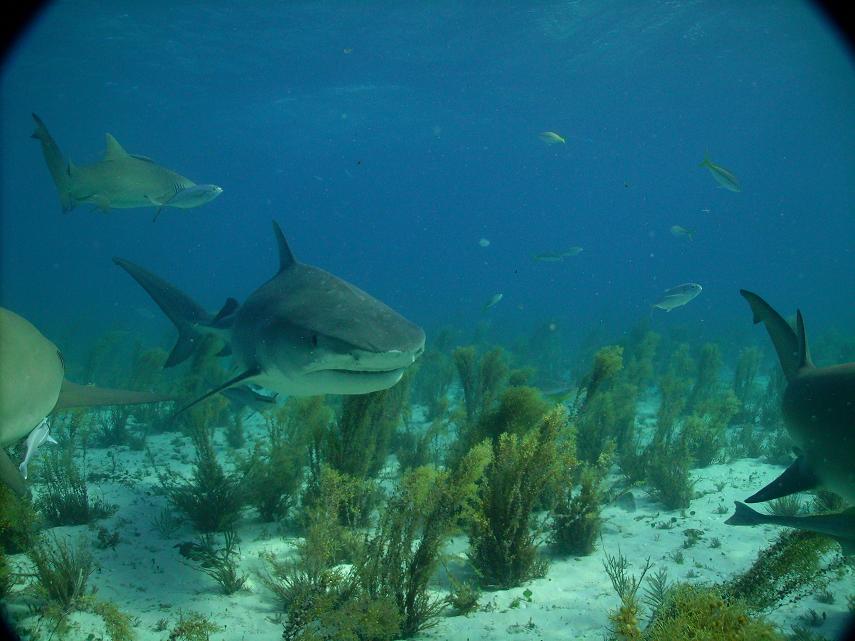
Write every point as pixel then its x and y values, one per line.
pixel 194 196
pixel 307 332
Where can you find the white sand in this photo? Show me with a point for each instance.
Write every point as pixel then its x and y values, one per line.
pixel 148 579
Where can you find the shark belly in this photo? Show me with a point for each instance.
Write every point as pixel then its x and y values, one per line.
pixel 31 374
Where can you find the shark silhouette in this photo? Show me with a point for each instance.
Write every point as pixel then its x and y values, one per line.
pixel 33 385
pixel 119 180
pixel 303 332
pixel 818 406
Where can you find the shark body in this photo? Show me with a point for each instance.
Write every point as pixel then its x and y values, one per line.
pixel 33 385
pixel 119 180
pixel 818 406
pixel 303 332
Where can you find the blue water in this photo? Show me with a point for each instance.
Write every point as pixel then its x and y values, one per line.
pixel 387 139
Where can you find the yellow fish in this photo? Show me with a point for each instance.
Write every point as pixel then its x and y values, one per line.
pixel 724 177
pixel 550 138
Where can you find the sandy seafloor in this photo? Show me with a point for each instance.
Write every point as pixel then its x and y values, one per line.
pixel 148 579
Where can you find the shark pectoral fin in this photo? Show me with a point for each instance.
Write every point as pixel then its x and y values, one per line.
pixel 74 395
pixel 157 213
pixel 221 320
pixel 799 477
pixel 255 371
pixel 11 475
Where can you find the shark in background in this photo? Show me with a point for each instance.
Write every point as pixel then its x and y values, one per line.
pixel 33 386
pixel 119 180
pixel 818 406
pixel 303 332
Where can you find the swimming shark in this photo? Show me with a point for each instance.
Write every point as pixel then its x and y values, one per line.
pixel 840 526
pixel 119 180
pixel 33 386
pixel 303 332
pixel 818 406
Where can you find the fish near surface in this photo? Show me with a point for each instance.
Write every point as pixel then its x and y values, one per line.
pixel 818 407
pixel 33 385
pixel 678 296
pixel 724 177
pixel 840 526
pixel 119 180
pixel 304 332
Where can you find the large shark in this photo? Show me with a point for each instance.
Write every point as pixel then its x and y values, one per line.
pixel 303 332
pixel 119 180
pixel 818 406
pixel 33 385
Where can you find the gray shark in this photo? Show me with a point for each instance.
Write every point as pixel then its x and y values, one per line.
pixel 33 385
pixel 120 180
pixel 840 526
pixel 818 406
pixel 303 332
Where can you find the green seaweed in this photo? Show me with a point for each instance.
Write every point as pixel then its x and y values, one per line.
pixel 65 497
pixel 502 544
pixel 576 520
pixel 192 626
pixel 211 499
pixel 19 523
pixel 221 564
pixel 61 571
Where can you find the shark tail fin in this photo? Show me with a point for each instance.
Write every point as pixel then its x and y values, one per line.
pixel 182 310
pixel 60 168
pixel 783 336
pixel 744 515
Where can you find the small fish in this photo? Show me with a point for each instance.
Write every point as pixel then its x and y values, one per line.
pixel 549 257
pixel 39 435
pixel 551 138
pixel 678 296
pixel 493 301
pixel 571 251
pixel 840 526
pixel 678 231
pixel 484 242
pixel 188 197
pixel 723 177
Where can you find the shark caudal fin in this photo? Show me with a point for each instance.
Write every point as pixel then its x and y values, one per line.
pixel 784 337
pixel 60 168
pixel 744 515
pixel 189 318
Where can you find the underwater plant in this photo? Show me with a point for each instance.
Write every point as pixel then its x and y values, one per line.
pixel 576 518
pixel 794 565
pixel 62 572
pixel 211 499
pixel 192 626
pixel 19 523
pixel 65 496
pixel 745 382
pixel 668 472
pixel 219 563
pixel 482 380
pixel 274 469
pixel 403 554
pixel 502 544
pixel 640 352
pixel 608 361
pixel 625 618
pixel 707 375
pixel 113 430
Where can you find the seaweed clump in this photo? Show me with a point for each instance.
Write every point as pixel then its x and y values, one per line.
pixel 18 522
pixel 503 547
pixel 211 499
pixel 65 499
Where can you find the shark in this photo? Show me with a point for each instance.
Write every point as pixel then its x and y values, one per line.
pixel 33 386
pixel 818 407
pixel 840 526
pixel 304 332
pixel 119 180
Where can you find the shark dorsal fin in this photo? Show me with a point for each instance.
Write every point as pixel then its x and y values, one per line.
pixel 286 257
pixel 114 150
pixel 804 350
pixel 783 337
